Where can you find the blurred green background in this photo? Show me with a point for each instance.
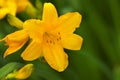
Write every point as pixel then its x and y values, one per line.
pixel 99 58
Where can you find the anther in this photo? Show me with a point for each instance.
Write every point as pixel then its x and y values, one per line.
pixel 57 39
pixel 60 38
pixel 58 33
pixel 47 41
pixel 50 41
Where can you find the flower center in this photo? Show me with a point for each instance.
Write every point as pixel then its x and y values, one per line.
pixel 0 6
pixel 51 38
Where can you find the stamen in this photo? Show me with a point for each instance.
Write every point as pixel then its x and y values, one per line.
pixel 50 41
pixel 60 38
pixel 1 6
pixel 58 33
pixel 57 39
pixel 51 38
pixel 47 41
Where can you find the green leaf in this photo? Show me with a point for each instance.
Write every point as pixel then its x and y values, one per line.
pixel 8 68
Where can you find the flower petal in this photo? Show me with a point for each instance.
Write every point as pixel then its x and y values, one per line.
pixel 55 56
pixel 72 41
pixel 32 52
pixel 67 23
pixel 3 12
pixel 8 7
pixel 15 41
pixel 49 13
pixel 35 28
pixel 11 5
pixel 22 4
pixel 1 2
pixel 24 72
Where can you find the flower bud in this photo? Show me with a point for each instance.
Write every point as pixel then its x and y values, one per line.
pixel 14 21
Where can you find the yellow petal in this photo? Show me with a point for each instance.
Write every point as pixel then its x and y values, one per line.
pixel 49 13
pixel 7 7
pixel 2 2
pixel 55 56
pixel 3 12
pixel 15 41
pixel 72 41
pixel 35 28
pixel 22 4
pixel 24 72
pixel 11 5
pixel 16 36
pixel 32 52
pixel 67 23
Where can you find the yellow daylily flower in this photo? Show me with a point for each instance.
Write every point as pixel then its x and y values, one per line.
pixel 12 7
pixel 48 36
